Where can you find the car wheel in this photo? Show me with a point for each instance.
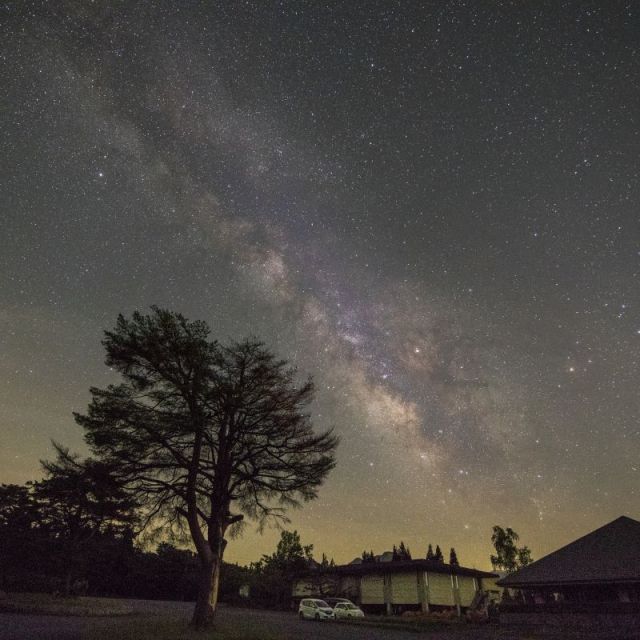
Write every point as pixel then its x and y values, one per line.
pixel 301 615
pixel 317 616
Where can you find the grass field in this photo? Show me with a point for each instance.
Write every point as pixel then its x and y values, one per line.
pixel 42 603
pixel 155 628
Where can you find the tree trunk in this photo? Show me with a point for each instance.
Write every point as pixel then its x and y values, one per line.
pixel 209 582
pixel 203 613
pixel 215 582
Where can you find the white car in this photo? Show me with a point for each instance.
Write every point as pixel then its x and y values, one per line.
pixel 347 610
pixel 313 609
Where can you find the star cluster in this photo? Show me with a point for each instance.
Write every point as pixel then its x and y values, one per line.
pixel 431 207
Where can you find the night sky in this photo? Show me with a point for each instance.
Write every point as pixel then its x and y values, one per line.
pixel 431 207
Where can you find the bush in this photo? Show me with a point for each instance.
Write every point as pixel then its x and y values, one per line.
pixel 476 617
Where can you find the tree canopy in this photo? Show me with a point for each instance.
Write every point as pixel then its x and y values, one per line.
pixel 401 552
pixel 48 527
pixel 508 556
pixel 203 434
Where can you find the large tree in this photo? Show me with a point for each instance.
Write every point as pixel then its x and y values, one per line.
pixel 205 435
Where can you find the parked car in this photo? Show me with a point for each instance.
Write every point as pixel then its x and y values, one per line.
pixel 314 609
pixel 332 602
pixel 347 610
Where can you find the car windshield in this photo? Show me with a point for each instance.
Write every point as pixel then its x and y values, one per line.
pixel 350 606
pixel 322 603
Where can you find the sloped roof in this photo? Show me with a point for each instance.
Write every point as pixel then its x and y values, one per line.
pixel 608 554
pixel 402 566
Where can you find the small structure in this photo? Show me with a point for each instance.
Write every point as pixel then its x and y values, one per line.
pixel 398 586
pixel 593 580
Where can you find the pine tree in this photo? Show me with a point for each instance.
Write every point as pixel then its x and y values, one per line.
pixel 367 556
pixel 204 435
pixel 453 558
pixel 438 556
pixel 430 553
pixel 403 552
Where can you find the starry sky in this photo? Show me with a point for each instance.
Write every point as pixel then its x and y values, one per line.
pixel 432 207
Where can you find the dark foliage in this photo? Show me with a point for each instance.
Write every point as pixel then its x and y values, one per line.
pixel 32 557
pixel 508 556
pixel 204 435
pixel 75 502
pixel 368 556
pixel 401 552
pixel 274 574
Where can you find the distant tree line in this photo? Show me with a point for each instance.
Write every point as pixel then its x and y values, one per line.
pixel 401 553
pixel 75 533
pixel 66 535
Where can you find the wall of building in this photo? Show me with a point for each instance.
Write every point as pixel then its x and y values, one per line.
pixel 440 589
pixel 404 588
pixel 467 587
pixel 395 591
pixel 372 589
pixel 350 588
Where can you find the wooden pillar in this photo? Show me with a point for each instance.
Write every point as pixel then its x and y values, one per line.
pixel 388 594
pixel 456 593
pixel 423 591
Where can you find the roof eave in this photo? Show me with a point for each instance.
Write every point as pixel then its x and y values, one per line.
pixel 564 583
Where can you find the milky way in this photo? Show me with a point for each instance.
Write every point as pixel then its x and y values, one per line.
pixel 432 209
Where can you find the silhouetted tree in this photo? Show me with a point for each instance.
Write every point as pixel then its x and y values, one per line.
pixel 204 435
pixel 453 558
pixel 21 543
pixel 430 555
pixel 278 571
pixel 322 578
pixel 524 556
pixel 76 501
pixel 34 557
pixel 438 557
pixel 368 556
pixel 508 556
pixel 401 552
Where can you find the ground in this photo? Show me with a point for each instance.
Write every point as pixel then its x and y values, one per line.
pixel 150 620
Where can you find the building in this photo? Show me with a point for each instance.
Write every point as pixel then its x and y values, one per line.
pixel 398 586
pixel 596 576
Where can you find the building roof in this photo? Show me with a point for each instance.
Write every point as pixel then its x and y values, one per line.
pixel 402 566
pixel 608 554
